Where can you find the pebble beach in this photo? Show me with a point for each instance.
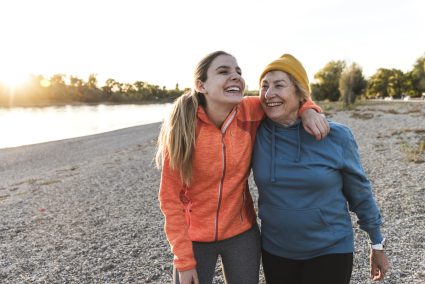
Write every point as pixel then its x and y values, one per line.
pixel 85 210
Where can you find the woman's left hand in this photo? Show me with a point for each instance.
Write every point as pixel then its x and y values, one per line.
pixel 379 265
pixel 315 123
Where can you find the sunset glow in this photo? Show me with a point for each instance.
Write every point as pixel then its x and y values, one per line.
pixel 14 80
pixel 161 41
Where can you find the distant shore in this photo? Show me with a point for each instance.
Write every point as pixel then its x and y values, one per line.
pixel 85 210
pixel 76 103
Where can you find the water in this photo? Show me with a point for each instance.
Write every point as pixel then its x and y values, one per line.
pixel 24 126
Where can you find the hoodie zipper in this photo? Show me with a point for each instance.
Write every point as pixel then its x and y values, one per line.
pixel 223 154
pixel 220 186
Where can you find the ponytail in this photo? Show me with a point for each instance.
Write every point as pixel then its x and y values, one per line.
pixel 177 136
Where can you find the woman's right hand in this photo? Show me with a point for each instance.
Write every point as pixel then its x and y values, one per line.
pixel 188 277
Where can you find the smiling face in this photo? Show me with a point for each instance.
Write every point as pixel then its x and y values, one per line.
pixel 224 85
pixel 279 98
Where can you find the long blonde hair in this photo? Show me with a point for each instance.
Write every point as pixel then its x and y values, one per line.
pixel 176 139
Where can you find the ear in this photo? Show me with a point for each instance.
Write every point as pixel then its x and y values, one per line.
pixel 199 87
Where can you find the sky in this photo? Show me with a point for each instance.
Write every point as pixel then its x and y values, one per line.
pixel 161 41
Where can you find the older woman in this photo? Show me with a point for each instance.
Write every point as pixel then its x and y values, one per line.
pixel 306 188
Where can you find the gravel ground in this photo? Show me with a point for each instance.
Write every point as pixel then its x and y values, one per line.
pixel 85 210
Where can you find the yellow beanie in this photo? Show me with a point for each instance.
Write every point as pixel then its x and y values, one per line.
pixel 289 64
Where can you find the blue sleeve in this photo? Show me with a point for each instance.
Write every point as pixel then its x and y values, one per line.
pixel 358 190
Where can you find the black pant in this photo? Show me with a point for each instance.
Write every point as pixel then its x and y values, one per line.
pixel 325 269
pixel 240 258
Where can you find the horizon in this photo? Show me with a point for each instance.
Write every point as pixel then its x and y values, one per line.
pixel 160 43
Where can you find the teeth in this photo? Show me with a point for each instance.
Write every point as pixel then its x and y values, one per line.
pixel 233 89
pixel 273 104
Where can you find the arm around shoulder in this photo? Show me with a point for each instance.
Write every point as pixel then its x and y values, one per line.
pixel 314 122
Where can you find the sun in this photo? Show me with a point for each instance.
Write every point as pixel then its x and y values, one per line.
pixel 13 79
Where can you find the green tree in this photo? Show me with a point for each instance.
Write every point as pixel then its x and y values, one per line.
pixel 351 84
pixel 418 75
pixel 112 86
pixel 389 83
pixel 377 84
pixel 395 83
pixel 91 93
pixel 75 88
pixel 408 85
pixel 327 86
pixel 58 90
pixel 57 80
pixel 75 82
pixel 92 81
pixel 142 90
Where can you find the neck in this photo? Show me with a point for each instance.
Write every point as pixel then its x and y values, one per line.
pixel 218 114
pixel 288 120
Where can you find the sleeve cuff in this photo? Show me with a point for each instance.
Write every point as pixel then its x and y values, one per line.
pixel 375 236
pixel 309 104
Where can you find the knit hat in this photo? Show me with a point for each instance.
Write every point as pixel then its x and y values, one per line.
pixel 289 64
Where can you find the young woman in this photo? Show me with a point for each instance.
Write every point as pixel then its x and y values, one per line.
pixel 205 152
pixel 306 188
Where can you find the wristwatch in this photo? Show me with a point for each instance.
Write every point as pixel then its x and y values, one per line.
pixel 380 246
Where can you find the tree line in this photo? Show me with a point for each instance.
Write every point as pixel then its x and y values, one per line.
pixel 334 82
pixel 338 81
pixel 61 89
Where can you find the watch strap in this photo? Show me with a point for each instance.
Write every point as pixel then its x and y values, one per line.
pixel 380 246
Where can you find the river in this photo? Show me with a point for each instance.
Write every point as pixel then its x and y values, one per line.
pixel 23 126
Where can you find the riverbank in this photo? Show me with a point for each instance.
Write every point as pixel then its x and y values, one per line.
pixel 85 210
pixel 26 126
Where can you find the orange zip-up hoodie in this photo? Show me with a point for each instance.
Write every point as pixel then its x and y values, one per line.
pixel 217 205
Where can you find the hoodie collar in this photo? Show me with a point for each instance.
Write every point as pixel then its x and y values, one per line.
pixel 203 116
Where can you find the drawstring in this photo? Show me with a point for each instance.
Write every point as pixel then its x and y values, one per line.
pixel 299 144
pixel 273 152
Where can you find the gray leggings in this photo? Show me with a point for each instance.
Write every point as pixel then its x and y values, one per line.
pixel 240 259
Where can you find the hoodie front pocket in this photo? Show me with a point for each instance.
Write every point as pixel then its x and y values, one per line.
pixel 295 230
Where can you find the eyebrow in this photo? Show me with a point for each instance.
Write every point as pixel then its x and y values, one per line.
pixel 275 82
pixel 227 67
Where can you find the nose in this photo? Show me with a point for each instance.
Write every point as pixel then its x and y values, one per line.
pixel 268 93
pixel 235 76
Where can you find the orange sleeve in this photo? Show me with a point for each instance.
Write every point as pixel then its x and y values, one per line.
pixel 309 104
pixel 176 227
pixel 252 108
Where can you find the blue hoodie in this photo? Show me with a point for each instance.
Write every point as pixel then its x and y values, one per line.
pixel 306 189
